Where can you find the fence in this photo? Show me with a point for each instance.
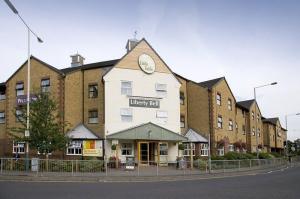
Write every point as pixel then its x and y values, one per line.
pixel 52 167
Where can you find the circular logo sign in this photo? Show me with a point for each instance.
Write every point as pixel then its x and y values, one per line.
pixel 146 63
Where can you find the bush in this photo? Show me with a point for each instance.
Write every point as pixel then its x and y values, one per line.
pixel 276 155
pixel 264 156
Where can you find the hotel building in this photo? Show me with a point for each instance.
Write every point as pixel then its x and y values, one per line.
pixel 133 107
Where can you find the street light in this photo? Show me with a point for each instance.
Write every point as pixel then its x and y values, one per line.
pixel 286 128
pixel 29 30
pixel 255 116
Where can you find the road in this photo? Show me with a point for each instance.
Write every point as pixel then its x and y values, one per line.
pixel 275 185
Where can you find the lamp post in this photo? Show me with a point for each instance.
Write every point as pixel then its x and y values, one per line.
pixel 29 30
pixel 286 127
pixel 255 115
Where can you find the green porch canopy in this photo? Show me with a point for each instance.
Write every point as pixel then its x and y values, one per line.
pixel 148 131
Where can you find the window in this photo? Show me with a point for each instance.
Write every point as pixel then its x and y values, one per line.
pixel 244 130
pixel 126 149
pixel 161 90
pixel 19 115
pixel 162 116
pixel 93 91
pixel 231 147
pixel 93 117
pixel 2 117
pixel 258 132
pixel 19 147
pixel 20 88
pixel 203 149
pixel 163 149
pixel 126 88
pixel 230 126
pixel 219 99
pixel 236 126
pixel 126 114
pixel 182 121
pixel 2 95
pixel 220 151
pixel 45 85
pixel 252 115
pixel 253 131
pixel 220 122
pixel 74 147
pixel 182 98
pixel 229 104
pixel 188 147
pixel 257 117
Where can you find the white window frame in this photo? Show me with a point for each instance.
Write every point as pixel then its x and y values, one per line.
pixel 93 90
pixel 182 123
pixel 220 122
pixel 258 132
pixel 76 147
pixel 127 148
pixel 162 116
pixel 2 117
pixel 229 104
pixel 244 129
pixel 161 90
pixel 187 149
pixel 203 149
pixel 19 88
pixel 230 125
pixel 219 99
pixel 93 120
pixel 181 97
pixel 126 114
pixel 18 147
pixel 126 88
pixel 231 148
pixel 45 85
pixel 253 131
pixel 221 151
pixel 163 151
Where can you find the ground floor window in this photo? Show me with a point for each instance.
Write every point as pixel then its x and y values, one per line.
pixel 188 147
pixel 231 147
pixel 163 149
pixel 203 149
pixel 127 149
pixel 220 151
pixel 74 147
pixel 19 147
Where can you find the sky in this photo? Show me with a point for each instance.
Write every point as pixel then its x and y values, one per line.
pixel 251 43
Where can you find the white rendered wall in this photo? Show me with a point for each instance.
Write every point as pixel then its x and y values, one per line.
pixel 142 85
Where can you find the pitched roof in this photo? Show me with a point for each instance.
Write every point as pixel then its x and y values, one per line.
pixel 245 104
pixel 38 60
pixel 81 132
pixel 194 136
pixel 210 83
pixel 102 64
pixel 271 120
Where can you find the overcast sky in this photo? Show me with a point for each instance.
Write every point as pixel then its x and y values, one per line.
pixel 249 42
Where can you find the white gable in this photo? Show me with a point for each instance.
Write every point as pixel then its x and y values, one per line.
pixel 194 136
pixel 81 132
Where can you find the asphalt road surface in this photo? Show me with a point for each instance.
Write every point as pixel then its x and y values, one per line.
pixel 275 185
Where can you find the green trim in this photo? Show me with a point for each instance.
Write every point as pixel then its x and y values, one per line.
pixel 148 131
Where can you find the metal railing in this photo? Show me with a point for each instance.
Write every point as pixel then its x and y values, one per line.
pixel 53 167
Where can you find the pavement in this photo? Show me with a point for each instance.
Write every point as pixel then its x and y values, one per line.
pixel 276 184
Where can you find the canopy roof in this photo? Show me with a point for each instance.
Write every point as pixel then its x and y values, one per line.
pixel 193 136
pixel 148 131
pixel 81 132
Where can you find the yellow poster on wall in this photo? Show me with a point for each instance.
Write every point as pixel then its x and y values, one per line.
pixel 92 148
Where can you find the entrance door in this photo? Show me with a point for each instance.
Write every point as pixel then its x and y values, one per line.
pixel 144 153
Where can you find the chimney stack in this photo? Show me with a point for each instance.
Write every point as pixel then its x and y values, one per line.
pixel 77 60
pixel 131 43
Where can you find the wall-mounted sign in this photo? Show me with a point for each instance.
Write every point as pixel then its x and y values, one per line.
pixel 144 103
pixel 146 63
pixel 92 148
pixel 22 99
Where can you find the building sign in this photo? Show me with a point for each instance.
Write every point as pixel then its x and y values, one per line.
pixel 146 63
pixel 92 148
pixel 144 103
pixel 22 99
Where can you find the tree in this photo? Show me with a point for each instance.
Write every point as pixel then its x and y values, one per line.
pixel 46 129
